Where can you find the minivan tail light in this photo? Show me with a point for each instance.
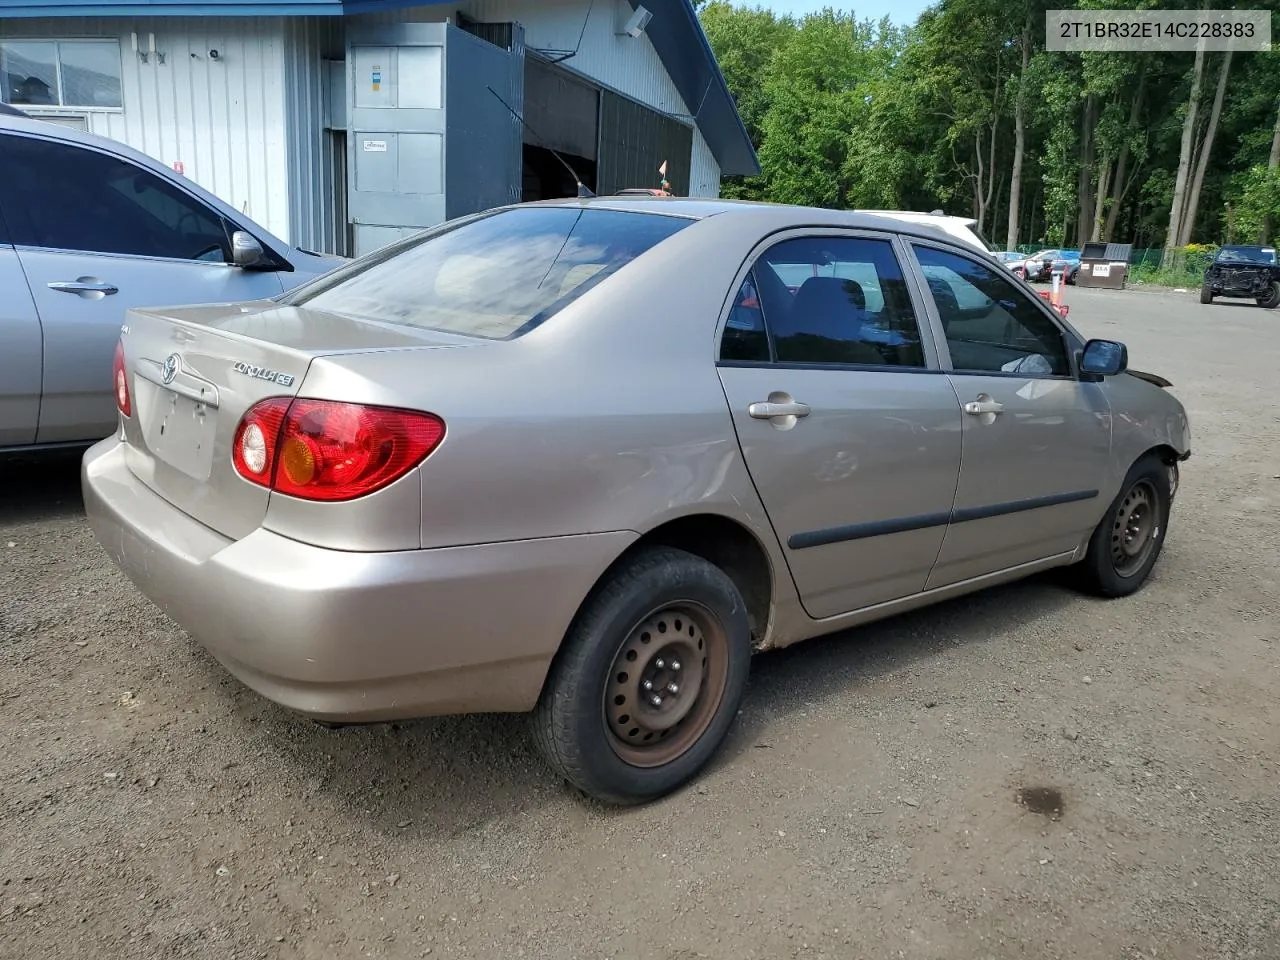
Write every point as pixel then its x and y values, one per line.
pixel 120 380
pixel 328 450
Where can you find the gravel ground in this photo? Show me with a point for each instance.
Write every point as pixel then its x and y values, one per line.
pixel 867 804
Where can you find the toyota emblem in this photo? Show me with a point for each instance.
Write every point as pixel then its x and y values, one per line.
pixel 170 368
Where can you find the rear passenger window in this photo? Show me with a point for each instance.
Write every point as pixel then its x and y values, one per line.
pixel 744 337
pixel 837 300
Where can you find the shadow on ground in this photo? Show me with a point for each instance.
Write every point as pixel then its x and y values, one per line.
pixel 43 487
pixel 446 776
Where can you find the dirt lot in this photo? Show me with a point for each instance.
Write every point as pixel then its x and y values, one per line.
pixel 866 805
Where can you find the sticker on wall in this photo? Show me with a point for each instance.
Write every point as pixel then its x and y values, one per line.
pixel 375 146
pixel 376 79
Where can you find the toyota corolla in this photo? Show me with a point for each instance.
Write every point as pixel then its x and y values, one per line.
pixel 583 458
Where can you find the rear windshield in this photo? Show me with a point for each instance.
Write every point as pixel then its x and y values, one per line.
pixel 496 276
pixel 1259 255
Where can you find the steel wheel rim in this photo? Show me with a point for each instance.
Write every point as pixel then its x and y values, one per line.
pixel 680 645
pixel 1133 534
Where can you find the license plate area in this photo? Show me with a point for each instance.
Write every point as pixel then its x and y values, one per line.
pixel 180 431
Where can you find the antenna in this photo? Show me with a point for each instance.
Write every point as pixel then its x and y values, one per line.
pixel 583 190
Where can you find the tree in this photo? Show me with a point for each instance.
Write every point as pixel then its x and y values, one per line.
pixel 1187 220
pixel 1019 134
pixel 1184 155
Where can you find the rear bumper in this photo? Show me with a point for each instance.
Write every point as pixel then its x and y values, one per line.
pixel 351 636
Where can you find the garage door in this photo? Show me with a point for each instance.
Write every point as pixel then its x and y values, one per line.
pixel 634 141
pixel 563 110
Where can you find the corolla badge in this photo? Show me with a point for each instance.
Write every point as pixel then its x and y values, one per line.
pixel 170 368
pixel 262 373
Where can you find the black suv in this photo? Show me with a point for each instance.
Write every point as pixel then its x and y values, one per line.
pixel 1243 272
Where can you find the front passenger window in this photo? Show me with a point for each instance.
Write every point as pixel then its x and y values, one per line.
pixel 66 197
pixel 991 325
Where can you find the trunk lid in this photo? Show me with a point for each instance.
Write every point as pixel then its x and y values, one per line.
pixel 194 371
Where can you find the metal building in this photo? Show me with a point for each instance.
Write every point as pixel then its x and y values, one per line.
pixel 343 124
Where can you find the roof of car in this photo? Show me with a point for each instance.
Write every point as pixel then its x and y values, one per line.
pixel 698 208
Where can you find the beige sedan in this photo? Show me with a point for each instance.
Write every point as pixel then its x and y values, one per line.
pixel 583 458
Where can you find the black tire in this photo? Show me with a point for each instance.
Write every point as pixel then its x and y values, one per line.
pixel 1206 293
pixel 1101 572
pixel 1272 299
pixel 574 721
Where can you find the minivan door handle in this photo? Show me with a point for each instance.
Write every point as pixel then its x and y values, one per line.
pixel 89 288
pixel 768 410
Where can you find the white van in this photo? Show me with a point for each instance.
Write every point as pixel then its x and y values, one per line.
pixel 964 229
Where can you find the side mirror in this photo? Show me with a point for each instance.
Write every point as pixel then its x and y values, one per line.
pixel 1104 358
pixel 246 251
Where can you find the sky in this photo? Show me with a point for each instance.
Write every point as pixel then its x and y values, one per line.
pixel 901 12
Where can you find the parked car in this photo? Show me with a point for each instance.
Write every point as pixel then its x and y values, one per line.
pixel 1012 260
pixel 89 228
pixel 1038 267
pixel 582 458
pixel 1066 263
pixel 1245 272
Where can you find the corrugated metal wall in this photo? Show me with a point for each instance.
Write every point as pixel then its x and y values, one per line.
pixel 704 172
pixel 628 65
pixel 316 221
pixel 634 142
pixel 224 119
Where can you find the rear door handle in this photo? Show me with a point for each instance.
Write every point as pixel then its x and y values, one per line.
pixel 767 410
pixel 977 408
pixel 91 288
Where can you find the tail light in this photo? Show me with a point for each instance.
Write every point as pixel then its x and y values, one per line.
pixel 331 451
pixel 121 381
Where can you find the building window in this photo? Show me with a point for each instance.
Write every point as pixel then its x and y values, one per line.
pixel 60 73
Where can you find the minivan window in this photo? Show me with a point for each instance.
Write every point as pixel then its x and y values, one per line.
pixel 495 276
pixel 67 197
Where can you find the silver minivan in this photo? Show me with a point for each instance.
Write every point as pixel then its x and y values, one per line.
pixel 88 228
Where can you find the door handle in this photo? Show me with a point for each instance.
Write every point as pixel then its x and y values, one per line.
pixel 767 410
pixel 977 408
pixel 90 288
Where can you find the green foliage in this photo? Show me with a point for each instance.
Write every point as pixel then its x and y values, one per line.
pixel 853 113
pixel 1255 205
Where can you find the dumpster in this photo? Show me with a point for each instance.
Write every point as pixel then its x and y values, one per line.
pixel 1104 265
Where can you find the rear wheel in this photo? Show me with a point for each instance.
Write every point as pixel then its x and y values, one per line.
pixel 1206 293
pixel 1272 299
pixel 1126 543
pixel 649 679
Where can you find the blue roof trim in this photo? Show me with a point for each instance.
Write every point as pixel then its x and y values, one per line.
pixel 674 31
pixel 677 35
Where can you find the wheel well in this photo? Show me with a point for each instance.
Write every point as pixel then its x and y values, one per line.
pixel 732 548
pixel 1166 453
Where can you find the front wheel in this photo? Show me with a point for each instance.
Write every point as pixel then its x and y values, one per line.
pixel 649 679
pixel 1272 299
pixel 1127 542
pixel 1206 293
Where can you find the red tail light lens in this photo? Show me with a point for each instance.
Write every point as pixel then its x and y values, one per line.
pixel 325 450
pixel 120 380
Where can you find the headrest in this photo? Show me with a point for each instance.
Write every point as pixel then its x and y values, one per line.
pixel 830 293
